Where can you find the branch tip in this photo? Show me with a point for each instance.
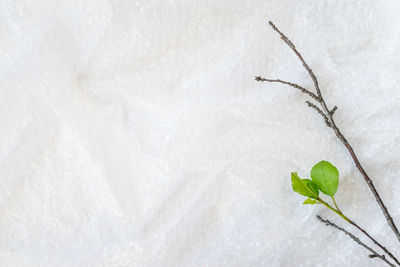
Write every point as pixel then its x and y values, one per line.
pixel 333 110
pixel 272 25
pixel 376 256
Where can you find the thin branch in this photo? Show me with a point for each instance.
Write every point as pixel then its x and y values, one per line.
pixel 333 110
pixel 302 89
pixel 376 242
pixel 373 254
pixel 359 228
pixel 311 105
pixel 291 45
pixel 329 114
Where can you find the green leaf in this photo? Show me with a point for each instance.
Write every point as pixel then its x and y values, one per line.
pixel 310 201
pixel 304 187
pixel 326 177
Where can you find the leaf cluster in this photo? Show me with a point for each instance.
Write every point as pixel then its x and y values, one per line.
pixel 324 178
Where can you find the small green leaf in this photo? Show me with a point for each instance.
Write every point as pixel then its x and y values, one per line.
pixel 304 187
pixel 326 177
pixel 310 201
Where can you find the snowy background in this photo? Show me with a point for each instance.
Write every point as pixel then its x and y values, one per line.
pixel 132 133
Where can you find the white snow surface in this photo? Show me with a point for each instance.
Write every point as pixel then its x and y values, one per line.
pixel 133 133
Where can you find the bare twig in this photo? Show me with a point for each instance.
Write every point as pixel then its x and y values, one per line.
pixel 329 114
pixel 338 212
pixel 311 105
pixel 302 89
pixel 376 242
pixel 373 254
pixel 291 45
pixel 333 110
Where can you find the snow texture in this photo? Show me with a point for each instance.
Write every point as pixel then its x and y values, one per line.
pixel 132 133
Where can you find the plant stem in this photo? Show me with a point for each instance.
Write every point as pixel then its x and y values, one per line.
pixel 359 228
pixel 334 202
pixel 334 210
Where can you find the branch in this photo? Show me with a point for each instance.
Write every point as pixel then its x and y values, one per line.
pixel 333 110
pixel 373 254
pixel 291 45
pixel 311 105
pixel 361 229
pixel 329 114
pixel 302 89
pixel 376 242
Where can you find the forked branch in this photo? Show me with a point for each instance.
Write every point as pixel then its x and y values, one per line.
pixel 373 254
pixel 305 65
pixel 347 219
pixel 327 115
pixel 312 105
